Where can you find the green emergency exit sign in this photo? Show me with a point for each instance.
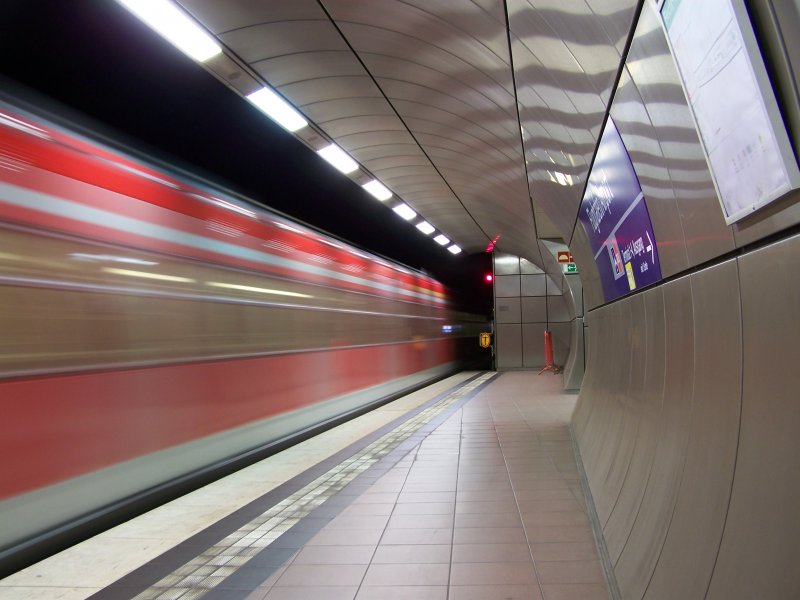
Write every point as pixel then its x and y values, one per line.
pixel 572 268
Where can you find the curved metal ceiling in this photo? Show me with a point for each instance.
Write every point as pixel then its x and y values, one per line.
pixel 482 115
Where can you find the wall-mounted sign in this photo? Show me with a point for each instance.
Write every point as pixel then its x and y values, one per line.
pixel 741 129
pixel 485 339
pixel 614 215
pixel 572 267
pixel 565 257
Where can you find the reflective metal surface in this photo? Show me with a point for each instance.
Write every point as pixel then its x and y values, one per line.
pixel 761 540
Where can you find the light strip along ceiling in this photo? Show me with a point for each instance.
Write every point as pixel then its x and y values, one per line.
pixel 424 96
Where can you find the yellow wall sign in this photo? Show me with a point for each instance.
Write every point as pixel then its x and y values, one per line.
pixel 485 339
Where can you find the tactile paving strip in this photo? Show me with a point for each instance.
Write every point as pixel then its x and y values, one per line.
pixel 206 571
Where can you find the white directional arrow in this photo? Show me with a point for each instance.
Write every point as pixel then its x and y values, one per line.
pixel 650 247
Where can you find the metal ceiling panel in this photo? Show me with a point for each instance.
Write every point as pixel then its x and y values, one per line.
pixel 423 95
pixel 566 57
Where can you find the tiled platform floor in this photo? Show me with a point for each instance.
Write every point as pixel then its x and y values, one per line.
pixel 487 507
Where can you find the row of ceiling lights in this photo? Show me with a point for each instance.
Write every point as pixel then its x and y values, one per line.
pixel 182 31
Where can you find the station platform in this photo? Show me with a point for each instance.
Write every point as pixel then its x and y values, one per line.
pixel 465 490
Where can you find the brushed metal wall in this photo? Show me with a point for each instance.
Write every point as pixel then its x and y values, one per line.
pixel 527 302
pixel 687 425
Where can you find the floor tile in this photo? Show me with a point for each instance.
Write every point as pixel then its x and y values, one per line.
pixel 352 537
pixel 578 571
pixel 403 573
pixel 424 508
pixel 556 551
pixel 494 592
pixel 322 575
pixel 576 591
pixel 417 536
pixel 420 521
pixel 335 555
pixel 401 592
pixel 412 553
pixel 496 573
pixel 491 535
pixel 490 553
pixel 508 519
pixel 307 592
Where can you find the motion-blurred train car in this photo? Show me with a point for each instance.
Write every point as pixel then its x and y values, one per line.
pixel 154 327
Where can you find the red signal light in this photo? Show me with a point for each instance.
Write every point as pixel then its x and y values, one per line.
pixel 488 278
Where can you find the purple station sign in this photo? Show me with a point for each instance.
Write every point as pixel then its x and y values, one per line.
pixel 614 215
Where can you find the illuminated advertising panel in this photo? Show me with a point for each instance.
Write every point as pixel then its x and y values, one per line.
pixel 614 215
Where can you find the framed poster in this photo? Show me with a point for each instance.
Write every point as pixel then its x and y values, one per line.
pixel 732 102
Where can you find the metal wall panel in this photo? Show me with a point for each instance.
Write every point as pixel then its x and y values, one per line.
pixel 528 268
pixel 534 310
pixel 506 286
pixel 572 282
pixel 509 346
pixel 638 558
pixel 507 310
pixel 533 345
pixel 761 541
pixel 553 288
pixel 561 342
pixel 620 522
pixel 614 458
pixel 613 376
pixel 574 366
pixel 557 310
pixel 505 264
pixel 533 285
pixel 696 525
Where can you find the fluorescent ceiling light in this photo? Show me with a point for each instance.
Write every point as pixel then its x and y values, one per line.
pixel 338 158
pixel 176 26
pixel 377 189
pixel 441 240
pixel 405 211
pixel 454 249
pixel 277 109
pixel 146 275
pixel 260 290
pixel 426 227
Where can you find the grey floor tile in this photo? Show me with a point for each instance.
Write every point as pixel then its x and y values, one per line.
pixel 490 507
pixel 411 497
pixel 490 535
pixel 346 537
pixel 358 522
pixel 424 508
pixel 335 555
pixel 417 536
pixel 403 573
pixel 412 553
pixel 490 553
pixel 420 521
pixel 575 591
pixel 555 551
pixel 496 573
pixel 308 592
pixel 322 575
pixel 568 533
pixel 509 519
pixel 494 592
pixel 402 592
pixel 578 571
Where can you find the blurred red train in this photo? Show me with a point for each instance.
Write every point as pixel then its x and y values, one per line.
pixel 153 327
